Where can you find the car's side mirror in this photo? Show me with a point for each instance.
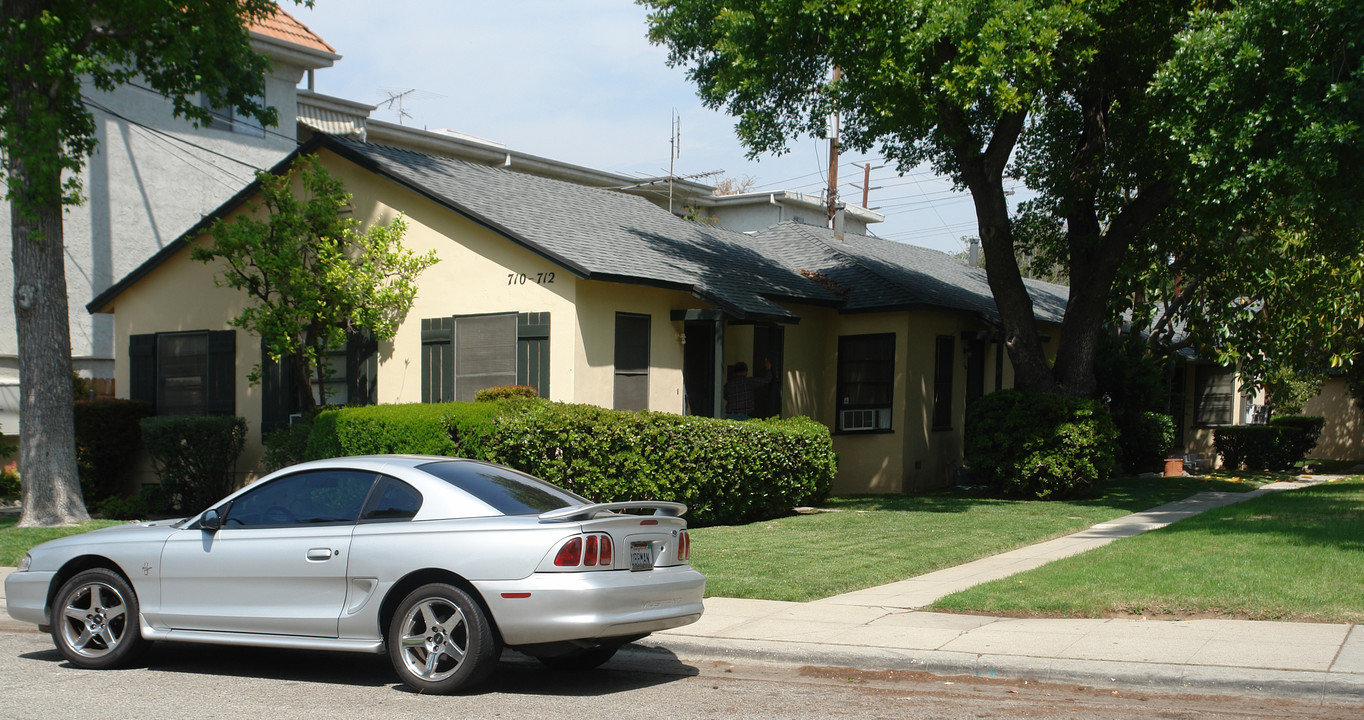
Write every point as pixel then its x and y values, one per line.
pixel 211 520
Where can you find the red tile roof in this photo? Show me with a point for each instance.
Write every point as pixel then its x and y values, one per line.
pixel 283 26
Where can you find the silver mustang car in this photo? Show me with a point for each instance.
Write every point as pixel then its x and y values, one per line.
pixel 439 562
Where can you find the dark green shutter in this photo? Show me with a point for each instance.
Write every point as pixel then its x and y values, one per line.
pixel 532 351
pixel 221 398
pixel 142 368
pixel 438 360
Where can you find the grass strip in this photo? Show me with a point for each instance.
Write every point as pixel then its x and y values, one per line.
pixel 864 541
pixel 1295 555
pixel 14 542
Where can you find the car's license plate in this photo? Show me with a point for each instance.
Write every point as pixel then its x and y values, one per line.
pixel 641 556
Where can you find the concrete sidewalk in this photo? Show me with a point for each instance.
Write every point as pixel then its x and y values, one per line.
pixel 882 628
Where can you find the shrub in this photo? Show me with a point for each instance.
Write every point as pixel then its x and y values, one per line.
pixel 194 456
pixel 1258 447
pixel 108 439
pixel 148 503
pixel 1311 430
pixel 9 482
pixel 1147 440
pixel 726 471
pixel 122 508
pixel 286 446
pixel 1039 445
pixel 502 392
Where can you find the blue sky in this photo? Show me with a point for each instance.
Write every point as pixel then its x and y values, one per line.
pixel 579 82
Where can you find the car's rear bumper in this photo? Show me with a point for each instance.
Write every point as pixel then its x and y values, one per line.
pixel 26 596
pixel 554 607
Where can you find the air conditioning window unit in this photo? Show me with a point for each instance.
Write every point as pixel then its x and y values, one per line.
pixel 864 420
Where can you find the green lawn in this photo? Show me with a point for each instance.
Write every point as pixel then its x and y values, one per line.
pixel 873 540
pixel 14 542
pixel 1296 555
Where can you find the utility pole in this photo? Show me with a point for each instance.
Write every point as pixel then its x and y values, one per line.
pixel 833 157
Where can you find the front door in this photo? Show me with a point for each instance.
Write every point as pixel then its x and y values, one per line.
pixel 769 342
pixel 698 367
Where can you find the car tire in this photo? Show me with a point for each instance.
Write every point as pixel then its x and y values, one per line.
pixel 581 660
pixel 95 620
pixel 440 641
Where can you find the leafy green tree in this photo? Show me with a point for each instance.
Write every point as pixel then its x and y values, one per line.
pixel 312 274
pixel 48 50
pixel 1159 138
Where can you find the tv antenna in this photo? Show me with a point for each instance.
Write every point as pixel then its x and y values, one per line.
pixel 398 96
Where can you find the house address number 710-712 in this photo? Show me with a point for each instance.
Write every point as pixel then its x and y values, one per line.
pixel 540 278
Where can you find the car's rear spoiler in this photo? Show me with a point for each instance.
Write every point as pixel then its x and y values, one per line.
pixel 587 512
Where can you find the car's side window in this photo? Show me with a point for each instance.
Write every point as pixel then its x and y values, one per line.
pixel 392 500
pixel 320 497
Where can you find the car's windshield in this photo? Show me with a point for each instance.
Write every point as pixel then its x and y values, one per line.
pixel 507 491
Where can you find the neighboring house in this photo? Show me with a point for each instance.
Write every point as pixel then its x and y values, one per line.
pixel 153 176
pixel 1214 401
pixel 596 296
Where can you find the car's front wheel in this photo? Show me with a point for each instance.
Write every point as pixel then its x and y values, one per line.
pixel 440 640
pixel 94 620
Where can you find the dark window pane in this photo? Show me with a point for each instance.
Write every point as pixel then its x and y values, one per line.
pixel 505 490
pixel 323 497
pixel 395 500
pixel 866 381
pixel 182 373
pixel 1213 394
pixel 485 353
pixel 631 390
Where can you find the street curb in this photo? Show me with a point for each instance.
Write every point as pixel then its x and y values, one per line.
pixel 1164 677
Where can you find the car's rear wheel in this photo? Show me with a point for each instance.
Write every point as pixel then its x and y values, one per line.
pixel 94 621
pixel 580 660
pixel 440 641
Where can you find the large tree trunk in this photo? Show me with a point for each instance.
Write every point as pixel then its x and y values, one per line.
pixel 51 492
pixel 47 438
pixel 983 173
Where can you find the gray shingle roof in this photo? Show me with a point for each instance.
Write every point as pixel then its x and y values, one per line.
pixel 608 235
pixel 599 233
pixel 878 274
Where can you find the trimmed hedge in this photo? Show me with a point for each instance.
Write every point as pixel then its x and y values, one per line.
pixel 1310 426
pixel 452 429
pixel 1276 446
pixel 1040 445
pixel 108 438
pixel 725 471
pixel 194 456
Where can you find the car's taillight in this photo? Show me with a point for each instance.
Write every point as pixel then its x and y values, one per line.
pixel 683 546
pixel 588 551
pixel 571 554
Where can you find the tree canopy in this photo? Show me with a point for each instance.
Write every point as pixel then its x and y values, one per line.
pixel 51 49
pixel 1188 158
pixel 312 274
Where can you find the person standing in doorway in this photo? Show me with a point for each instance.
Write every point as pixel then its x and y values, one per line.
pixel 741 391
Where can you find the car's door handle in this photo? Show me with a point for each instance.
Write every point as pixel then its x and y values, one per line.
pixel 320 554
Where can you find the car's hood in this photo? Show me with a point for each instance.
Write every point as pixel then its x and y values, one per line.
pixel 101 541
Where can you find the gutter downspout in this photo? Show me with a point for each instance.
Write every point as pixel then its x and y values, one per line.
pixel 772 199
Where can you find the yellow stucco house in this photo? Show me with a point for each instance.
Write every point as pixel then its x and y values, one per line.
pixel 595 296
